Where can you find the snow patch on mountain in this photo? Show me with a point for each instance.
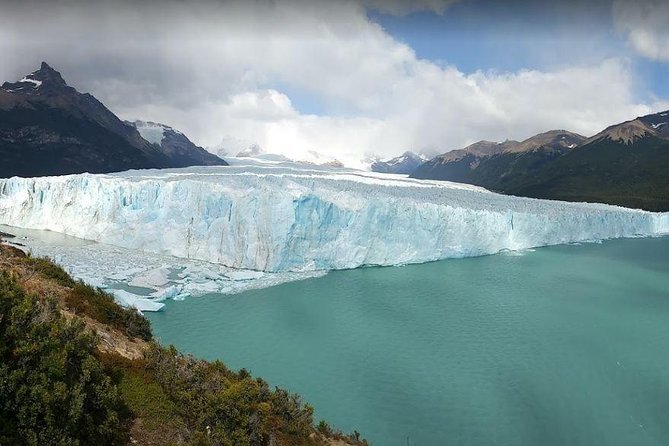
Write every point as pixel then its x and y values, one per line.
pixel 32 81
pixel 151 131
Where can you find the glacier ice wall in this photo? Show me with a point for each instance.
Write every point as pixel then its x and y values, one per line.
pixel 275 218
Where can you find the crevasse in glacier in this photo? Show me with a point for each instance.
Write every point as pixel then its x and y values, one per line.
pixel 280 218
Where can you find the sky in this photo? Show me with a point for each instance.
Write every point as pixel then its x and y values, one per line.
pixel 352 79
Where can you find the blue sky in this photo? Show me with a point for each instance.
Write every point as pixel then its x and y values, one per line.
pixel 513 35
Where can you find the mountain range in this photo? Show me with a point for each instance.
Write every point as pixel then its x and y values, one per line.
pixel 626 164
pixel 403 164
pixel 49 128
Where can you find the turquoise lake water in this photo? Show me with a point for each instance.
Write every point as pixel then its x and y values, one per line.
pixel 565 345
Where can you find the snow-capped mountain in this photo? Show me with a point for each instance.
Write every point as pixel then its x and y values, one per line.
pixel 403 164
pixel 31 84
pixel 49 128
pixel 659 122
pixel 176 145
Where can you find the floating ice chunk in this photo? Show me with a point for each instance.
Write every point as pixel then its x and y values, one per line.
pixel 167 293
pixel 108 266
pixel 154 278
pixel 244 275
pixel 120 275
pixel 128 299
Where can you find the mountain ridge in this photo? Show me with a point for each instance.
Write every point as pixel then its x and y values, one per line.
pixel 625 164
pixel 49 128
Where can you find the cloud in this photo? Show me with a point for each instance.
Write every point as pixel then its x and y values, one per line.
pixel 645 24
pixel 232 71
pixel 404 7
pixel 266 105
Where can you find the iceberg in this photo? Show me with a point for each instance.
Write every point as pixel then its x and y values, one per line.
pixel 140 303
pixel 278 218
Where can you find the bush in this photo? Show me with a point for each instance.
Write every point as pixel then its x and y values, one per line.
pixel 53 390
pixel 219 406
pixel 98 305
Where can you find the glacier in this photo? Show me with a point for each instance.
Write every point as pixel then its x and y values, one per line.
pixel 276 217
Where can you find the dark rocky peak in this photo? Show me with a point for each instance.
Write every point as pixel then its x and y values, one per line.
pixel 48 75
pixel 46 79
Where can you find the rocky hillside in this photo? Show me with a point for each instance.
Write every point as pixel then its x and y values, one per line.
pixel 626 164
pixel 79 369
pixel 457 165
pixel 49 128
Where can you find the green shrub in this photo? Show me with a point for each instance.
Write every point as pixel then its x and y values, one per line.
pixel 98 305
pixel 220 406
pixel 53 390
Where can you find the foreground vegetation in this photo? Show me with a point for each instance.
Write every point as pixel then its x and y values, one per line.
pixel 77 369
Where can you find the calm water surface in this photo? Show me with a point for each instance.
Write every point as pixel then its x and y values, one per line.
pixel 564 345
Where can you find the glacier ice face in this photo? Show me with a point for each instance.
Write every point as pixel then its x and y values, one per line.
pixel 277 218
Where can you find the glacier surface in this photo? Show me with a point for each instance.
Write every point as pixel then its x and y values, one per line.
pixel 283 218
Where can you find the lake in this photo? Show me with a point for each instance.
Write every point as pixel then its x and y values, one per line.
pixel 564 345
